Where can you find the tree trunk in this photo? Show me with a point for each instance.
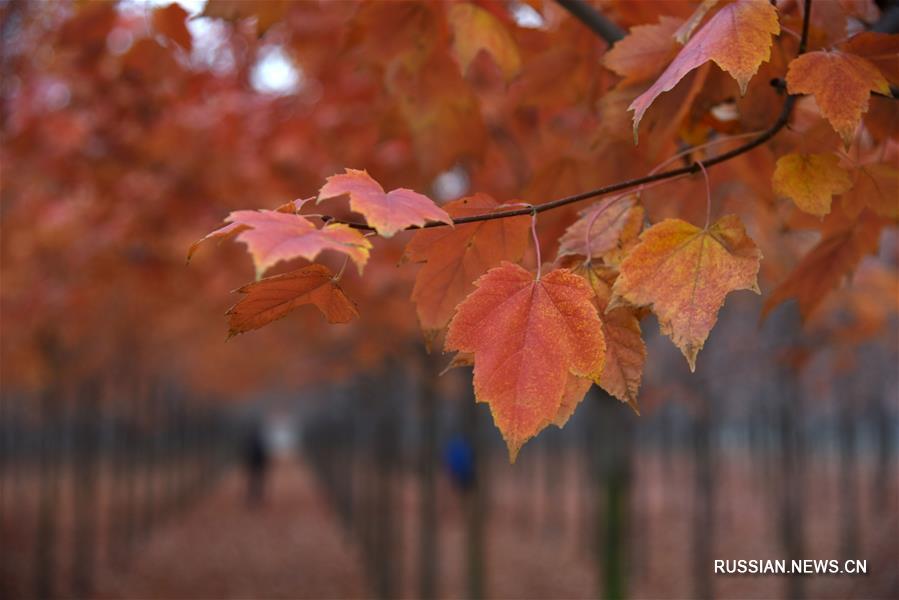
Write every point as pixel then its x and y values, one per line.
pixel 428 542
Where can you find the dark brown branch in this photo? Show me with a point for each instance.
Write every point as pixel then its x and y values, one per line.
pixel 694 167
pixel 593 19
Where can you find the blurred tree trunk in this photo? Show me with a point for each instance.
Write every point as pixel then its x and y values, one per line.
pixel 428 542
pixel 553 482
pixel 148 472
pixel 849 524
pixel 784 327
pixel 385 557
pixel 48 501
pixel 704 497
pixel 614 431
pixel 84 488
pixel 886 472
pixel 477 501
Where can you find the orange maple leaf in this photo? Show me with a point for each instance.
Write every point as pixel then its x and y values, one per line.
pixel 475 29
pixel 272 298
pixel 875 185
pixel 528 337
pixel 272 236
pixel 881 49
pixel 684 272
pixel 841 84
pixel 841 248
pixel 455 257
pixel 810 180
pixel 575 389
pixel 737 38
pixel 625 349
pixel 387 212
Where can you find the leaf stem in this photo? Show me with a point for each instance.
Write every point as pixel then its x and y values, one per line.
pixel 593 219
pixel 536 241
pixel 708 196
pixel 336 278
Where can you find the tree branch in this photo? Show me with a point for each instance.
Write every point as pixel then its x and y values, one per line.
pixel 695 167
pixel 593 19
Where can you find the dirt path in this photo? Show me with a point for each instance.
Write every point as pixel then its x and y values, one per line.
pixel 292 547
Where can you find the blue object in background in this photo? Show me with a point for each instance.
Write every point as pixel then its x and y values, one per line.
pixel 458 458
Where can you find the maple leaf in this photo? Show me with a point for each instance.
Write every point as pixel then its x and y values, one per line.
pixel 684 272
pixel 641 54
pixel 387 212
pixel 810 180
pixel 475 29
pixel 625 349
pixel 226 232
pixel 685 31
pixel 841 248
pixel 272 236
pixel 737 38
pixel 440 109
pixel 841 84
pixel 527 336
pixel 874 185
pixel 881 49
pixel 294 206
pixel 575 390
pixel 455 257
pixel 610 221
pixel 272 298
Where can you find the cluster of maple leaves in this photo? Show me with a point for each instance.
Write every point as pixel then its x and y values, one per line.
pixel 121 152
pixel 539 338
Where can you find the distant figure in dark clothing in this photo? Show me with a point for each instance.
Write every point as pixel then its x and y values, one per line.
pixel 458 458
pixel 256 461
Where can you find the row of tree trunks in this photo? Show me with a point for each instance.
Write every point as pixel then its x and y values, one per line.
pixel 100 477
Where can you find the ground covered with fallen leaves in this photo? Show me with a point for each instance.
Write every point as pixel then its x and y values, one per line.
pixel 290 547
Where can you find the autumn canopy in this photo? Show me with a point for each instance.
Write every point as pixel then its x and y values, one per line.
pixel 533 191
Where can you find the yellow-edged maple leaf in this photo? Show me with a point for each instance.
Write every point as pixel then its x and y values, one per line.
pixel 386 212
pixel 834 257
pixel 625 349
pixel 841 84
pixel 645 49
pixel 737 38
pixel 875 185
pixel 274 297
pixel 455 257
pixel 609 221
pixel 683 273
pixel 272 236
pixel 810 180
pixel 528 337
pixel 475 29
